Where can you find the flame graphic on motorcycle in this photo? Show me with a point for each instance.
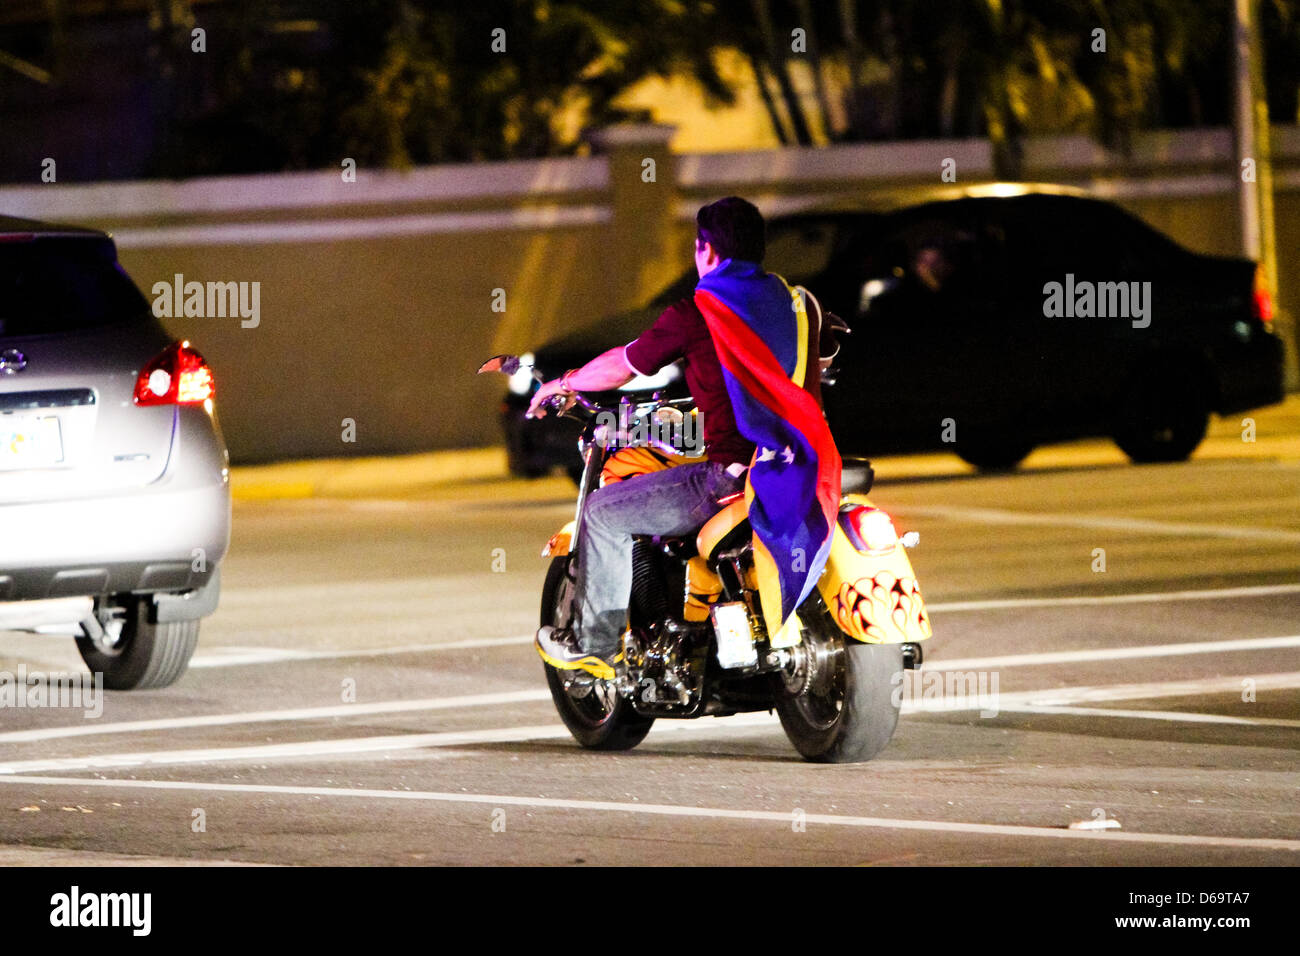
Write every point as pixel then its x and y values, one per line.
pixel 883 609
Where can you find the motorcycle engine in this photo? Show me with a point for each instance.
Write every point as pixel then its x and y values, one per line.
pixel 664 668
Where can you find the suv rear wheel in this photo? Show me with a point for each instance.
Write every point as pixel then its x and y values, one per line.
pixel 989 451
pixel 143 655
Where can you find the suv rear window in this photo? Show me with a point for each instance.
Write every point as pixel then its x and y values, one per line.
pixel 60 284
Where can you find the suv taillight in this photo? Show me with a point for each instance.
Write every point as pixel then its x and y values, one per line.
pixel 176 376
pixel 1263 300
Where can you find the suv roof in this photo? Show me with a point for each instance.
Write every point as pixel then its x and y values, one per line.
pixel 11 226
pixel 899 198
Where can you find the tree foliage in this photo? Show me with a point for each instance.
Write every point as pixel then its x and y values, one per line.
pixel 1007 68
pixel 401 82
pixel 295 84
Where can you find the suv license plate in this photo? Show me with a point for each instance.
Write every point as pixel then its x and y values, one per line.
pixel 30 441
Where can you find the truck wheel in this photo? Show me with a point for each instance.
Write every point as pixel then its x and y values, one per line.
pixel 1162 417
pixel 994 453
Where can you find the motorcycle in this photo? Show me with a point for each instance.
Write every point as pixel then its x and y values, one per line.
pixel 696 643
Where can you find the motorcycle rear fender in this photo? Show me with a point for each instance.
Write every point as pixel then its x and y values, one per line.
pixel 873 597
pixel 560 541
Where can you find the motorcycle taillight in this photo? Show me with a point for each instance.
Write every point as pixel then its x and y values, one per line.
pixel 869 529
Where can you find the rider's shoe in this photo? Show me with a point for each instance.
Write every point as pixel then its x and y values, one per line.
pixel 559 647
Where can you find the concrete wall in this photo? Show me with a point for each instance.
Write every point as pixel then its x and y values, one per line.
pixel 377 296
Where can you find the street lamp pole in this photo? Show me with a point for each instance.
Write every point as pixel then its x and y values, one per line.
pixel 1255 167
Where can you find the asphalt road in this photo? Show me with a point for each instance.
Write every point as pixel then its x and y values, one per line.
pixel 366 693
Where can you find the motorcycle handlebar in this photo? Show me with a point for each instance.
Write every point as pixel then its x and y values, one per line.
pixel 559 400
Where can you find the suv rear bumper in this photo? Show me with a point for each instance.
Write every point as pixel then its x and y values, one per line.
pixel 1251 376
pixel 152 540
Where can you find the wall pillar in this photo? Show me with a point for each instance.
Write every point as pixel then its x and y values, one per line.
pixel 643 195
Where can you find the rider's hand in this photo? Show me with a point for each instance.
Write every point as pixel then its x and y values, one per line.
pixel 536 408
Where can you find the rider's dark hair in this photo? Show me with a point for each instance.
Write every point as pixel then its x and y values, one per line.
pixel 734 227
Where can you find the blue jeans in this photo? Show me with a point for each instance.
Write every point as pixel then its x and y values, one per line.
pixel 674 501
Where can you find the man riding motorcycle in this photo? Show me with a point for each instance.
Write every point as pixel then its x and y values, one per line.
pixel 741 300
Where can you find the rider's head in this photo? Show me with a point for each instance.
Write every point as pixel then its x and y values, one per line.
pixel 730 228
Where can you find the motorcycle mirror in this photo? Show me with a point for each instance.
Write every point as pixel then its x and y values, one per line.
pixel 837 323
pixel 508 364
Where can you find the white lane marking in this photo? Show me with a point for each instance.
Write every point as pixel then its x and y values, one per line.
pixel 92 728
pixel 990 700
pixel 304 748
pixel 1153 597
pixel 706 726
pixel 1115 653
pixel 1181 688
pixel 531 696
pixel 1182 717
pixel 384 592
pixel 1051 701
pixel 1112 523
pixel 237 656
pixel 671 810
pixel 351 745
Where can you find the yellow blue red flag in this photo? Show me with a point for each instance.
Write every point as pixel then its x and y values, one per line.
pixel 760 329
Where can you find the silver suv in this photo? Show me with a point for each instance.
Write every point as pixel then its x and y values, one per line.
pixel 114 477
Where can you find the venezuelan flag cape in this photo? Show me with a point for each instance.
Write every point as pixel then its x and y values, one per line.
pixel 760 330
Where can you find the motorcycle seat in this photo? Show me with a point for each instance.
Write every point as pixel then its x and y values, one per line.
pixel 856 475
pixel 725 530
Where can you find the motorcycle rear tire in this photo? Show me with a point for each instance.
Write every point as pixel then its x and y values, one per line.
pixel 592 723
pixel 861 698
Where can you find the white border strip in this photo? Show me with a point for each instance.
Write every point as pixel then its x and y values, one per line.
pixel 228 194
pixel 335 230
pixel 669 810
